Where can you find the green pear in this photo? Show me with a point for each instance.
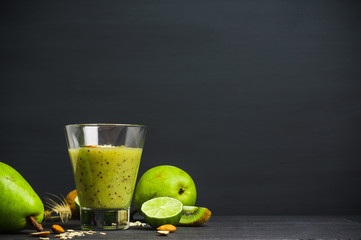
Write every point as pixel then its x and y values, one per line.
pixel 18 201
pixel 165 181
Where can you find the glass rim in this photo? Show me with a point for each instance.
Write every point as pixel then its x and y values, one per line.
pixel 106 124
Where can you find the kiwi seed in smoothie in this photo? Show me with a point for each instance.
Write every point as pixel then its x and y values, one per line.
pixel 105 176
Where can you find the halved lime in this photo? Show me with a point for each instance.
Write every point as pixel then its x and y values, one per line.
pixel 162 210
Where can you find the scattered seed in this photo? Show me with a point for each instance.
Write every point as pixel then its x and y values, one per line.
pixel 71 234
pixel 137 223
pixel 163 233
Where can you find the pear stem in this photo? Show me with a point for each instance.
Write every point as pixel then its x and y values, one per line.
pixel 34 223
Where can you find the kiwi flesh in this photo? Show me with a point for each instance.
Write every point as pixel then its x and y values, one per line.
pixel 192 215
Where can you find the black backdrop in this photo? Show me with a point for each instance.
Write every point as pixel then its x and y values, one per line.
pixel 259 101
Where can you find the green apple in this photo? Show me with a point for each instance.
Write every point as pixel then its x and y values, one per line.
pixel 165 181
pixel 18 201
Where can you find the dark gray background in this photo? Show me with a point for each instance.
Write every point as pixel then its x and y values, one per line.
pixel 259 101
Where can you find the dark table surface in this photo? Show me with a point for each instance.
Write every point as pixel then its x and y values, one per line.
pixel 235 227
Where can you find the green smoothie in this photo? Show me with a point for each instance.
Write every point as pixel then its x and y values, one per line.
pixel 105 176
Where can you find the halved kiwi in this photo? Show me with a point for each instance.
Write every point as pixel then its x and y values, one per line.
pixel 192 215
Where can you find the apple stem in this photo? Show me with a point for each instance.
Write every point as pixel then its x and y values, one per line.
pixel 34 223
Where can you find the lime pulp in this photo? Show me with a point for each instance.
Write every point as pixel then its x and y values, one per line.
pixel 162 210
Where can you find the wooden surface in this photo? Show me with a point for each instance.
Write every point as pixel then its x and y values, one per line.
pixel 237 227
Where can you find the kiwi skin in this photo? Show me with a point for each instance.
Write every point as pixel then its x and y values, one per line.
pixel 194 216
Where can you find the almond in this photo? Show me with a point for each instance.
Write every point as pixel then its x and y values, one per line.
pixel 40 234
pixel 57 229
pixel 167 227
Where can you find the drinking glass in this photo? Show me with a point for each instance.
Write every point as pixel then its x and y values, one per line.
pixel 105 159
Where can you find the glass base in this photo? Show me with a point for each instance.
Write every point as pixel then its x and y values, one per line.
pixel 104 219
